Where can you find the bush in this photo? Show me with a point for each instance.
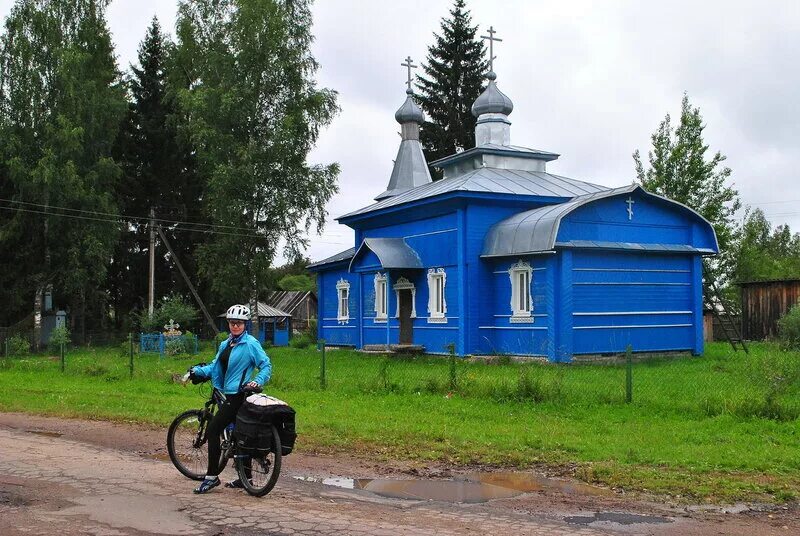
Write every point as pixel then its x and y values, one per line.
pixel 303 340
pixel 789 329
pixel 58 336
pixel 175 308
pixel 312 329
pixel 219 339
pixel 18 345
pixel 176 345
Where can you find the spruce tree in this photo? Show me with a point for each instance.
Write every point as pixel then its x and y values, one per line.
pixel 453 79
pixel 158 174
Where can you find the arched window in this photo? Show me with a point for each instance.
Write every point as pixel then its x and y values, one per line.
pixel 381 297
pixel 343 292
pixel 437 305
pixel 521 275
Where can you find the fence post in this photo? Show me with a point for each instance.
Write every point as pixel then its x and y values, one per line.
pixel 6 346
pixel 629 374
pixel 323 381
pixel 63 364
pixel 130 346
pixel 453 375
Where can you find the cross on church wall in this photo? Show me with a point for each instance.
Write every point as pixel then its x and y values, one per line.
pixel 491 39
pixel 410 65
pixel 630 203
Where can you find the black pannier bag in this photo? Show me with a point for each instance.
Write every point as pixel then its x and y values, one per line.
pixel 253 426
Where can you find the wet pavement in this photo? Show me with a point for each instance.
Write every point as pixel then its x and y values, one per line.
pixel 84 489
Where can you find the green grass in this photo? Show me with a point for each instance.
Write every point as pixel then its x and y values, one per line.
pixel 719 428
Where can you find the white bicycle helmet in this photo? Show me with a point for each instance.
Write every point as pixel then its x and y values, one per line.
pixel 238 312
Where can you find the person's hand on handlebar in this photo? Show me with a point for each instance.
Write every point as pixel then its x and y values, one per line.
pixel 253 386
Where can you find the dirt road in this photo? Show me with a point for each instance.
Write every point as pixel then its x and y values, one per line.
pixel 87 477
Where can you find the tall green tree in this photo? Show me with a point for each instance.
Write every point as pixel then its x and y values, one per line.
pixel 253 112
pixel 158 173
pixel 61 103
pixel 454 78
pixel 762 253
pixel 681 169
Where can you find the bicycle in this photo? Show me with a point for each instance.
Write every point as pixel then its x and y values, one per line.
pixel 257 468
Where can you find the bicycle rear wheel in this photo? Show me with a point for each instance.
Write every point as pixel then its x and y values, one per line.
pixel 259 473
pixel 186 444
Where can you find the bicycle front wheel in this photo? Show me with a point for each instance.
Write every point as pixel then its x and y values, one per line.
pixel 186 444
pixel 260 472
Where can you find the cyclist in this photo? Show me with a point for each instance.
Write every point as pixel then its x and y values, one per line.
pixel 233 365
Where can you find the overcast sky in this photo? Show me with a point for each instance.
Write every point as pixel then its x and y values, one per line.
pixel 589 80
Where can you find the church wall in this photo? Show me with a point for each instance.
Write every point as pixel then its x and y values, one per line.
pixel 434 336
pixel 644 220
pixel 329 327
pixel 481 295
pixel 498 333
pixel 621 298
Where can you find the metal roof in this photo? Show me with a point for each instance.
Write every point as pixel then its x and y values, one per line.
pixel 497 149
pixel 287 300
pixel 393 253
pixel 635 246
pixel 491 180
pixel 534 231
pixel 339 257
pixel 492 100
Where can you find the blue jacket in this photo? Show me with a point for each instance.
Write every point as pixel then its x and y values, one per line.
pixel 244 358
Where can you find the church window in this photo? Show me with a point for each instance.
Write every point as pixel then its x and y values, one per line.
pixel 343 292
pixel 521 303
pixel 437 305
pixel 381 298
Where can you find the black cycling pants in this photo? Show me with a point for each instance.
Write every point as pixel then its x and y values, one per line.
pixel 226 414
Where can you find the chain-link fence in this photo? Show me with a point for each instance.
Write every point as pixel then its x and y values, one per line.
pixel 762 384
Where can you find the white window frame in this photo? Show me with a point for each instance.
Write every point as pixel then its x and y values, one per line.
pixel 343 300
pixel 405 284
pixel 521 275
pixel 437 304
pixel 381 298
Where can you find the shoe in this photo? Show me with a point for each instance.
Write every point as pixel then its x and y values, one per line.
pixel 207 485
pixel 235 484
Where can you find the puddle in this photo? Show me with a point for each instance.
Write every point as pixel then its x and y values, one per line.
pixel 615 517
pixel 472 488
pixel 45 433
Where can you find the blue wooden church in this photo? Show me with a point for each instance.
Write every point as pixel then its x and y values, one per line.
pixel 502 257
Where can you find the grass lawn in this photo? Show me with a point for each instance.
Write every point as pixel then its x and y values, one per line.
pixel 722 427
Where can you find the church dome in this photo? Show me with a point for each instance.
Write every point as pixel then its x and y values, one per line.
pixel 409 112
pixel 492 100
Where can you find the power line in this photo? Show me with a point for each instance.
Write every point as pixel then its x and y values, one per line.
pixel 126 216
pixel 114 218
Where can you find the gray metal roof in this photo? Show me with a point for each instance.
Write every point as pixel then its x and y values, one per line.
pixel 635 246
pixel 342 256
pixel 287 300
pixel 491 180
pixel 393 253
pixel 496 148
pixel 410 170
pixel 535 231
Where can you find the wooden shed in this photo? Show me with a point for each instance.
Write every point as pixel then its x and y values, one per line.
pixel 764 303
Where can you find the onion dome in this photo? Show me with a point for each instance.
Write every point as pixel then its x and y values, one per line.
pixel 409 112
pixel 492 100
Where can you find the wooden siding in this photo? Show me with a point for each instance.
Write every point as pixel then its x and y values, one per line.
pixel 764 303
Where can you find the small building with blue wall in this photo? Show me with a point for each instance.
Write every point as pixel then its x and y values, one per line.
pixel 501 257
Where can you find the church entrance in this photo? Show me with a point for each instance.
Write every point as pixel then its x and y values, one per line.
pixel 406 323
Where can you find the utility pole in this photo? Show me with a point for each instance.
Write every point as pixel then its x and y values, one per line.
pixel 175 258
pixel 152 281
